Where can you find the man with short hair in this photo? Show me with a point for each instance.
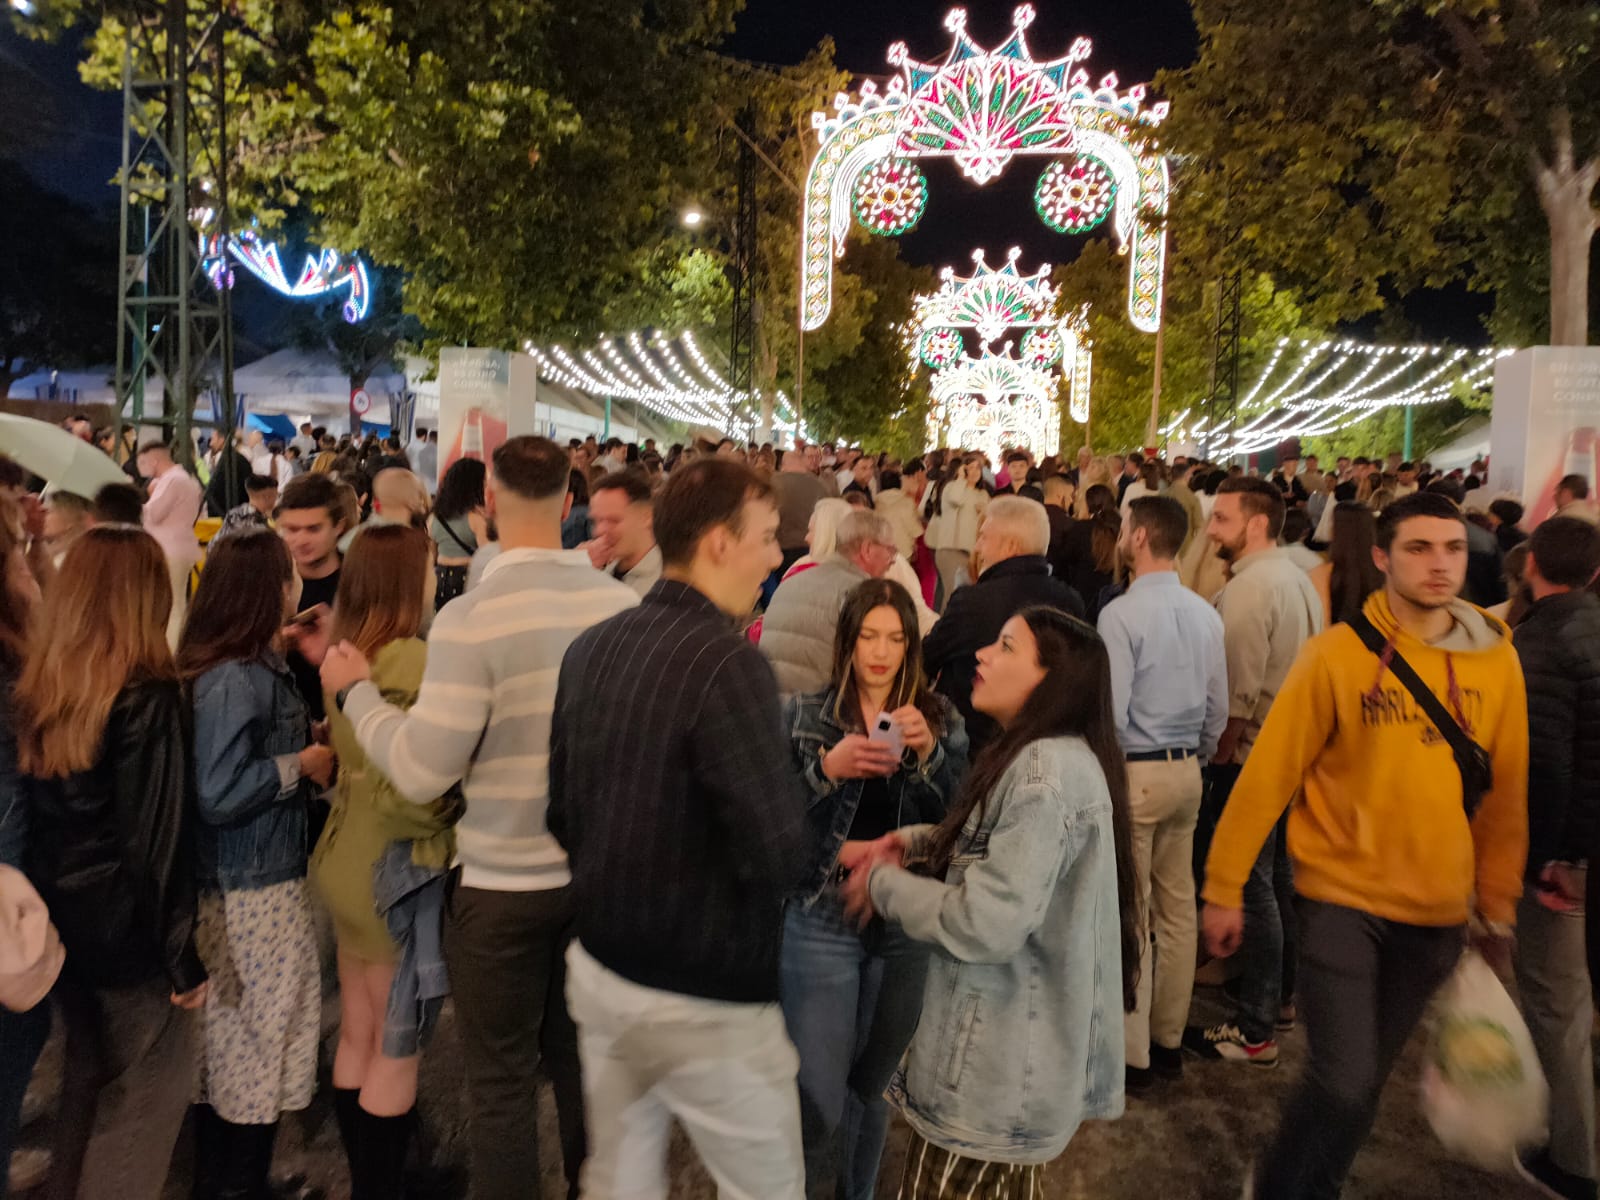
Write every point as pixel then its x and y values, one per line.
pixel 483 718
pixel 1486 574
pixel 797 487
pixel 310 520
pixel 254 513
pixel 1129 469
pixel 118 504
pixel 1558 643
pixel 425 459
pixel 1287 480
pixel 1393 852
pixel 1169 695
pixel 223 494
pixel 1059 494
pixel 680 871
pixel 624 543
pixel 1015 476
pixel 863 480
pixel 614 457
pixel 798 628
pixel 1572 499
pixel 303 441
pixel 1013 574
pixel 1269 608
pixel 1085 457
pixel 170 511
pixel 1406 480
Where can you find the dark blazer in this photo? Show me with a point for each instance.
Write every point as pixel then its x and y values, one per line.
pixel 972 620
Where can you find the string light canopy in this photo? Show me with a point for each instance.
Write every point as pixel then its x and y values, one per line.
pixel 983 108
pixel 989 302
pixel 328 271
pixel 669 376
pixel 1315 388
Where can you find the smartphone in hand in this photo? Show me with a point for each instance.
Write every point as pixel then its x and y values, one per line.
pixel 886 731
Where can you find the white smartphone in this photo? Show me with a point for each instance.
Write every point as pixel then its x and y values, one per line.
pixel 886 730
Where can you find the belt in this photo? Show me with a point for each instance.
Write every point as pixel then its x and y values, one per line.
pixel 1177 755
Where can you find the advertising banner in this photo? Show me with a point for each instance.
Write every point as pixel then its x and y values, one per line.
pixel 1544 423
pixel 485 396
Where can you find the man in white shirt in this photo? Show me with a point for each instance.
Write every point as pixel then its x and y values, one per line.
pixel 170 512
pixel 306 444
pixel 624 543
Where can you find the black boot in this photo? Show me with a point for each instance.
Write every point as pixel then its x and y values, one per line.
pixel 244 1156
pixel 381 1161
pixel 347 1112
pixel 210 1149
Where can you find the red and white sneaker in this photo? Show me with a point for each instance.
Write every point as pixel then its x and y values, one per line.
pixel 1226 1042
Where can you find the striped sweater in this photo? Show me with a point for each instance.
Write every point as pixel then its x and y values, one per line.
pixel 483 713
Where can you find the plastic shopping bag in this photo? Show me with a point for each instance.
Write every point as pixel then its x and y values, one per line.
pixel 1482 1090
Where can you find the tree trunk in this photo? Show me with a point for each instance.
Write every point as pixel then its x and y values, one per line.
pixel 1566 192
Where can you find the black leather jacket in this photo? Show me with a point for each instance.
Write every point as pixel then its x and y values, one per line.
pixel 111 848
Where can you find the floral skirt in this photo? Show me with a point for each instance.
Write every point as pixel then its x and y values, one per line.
pixel 263 1014
pixel 935 1174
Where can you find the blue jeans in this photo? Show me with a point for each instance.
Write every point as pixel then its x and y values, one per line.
pixel 851 1000
pixel 1267 954
pixel 22 1036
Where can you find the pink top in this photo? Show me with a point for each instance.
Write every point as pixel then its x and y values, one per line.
pixel 170 514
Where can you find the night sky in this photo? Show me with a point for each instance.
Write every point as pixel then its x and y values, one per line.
pixel 81 127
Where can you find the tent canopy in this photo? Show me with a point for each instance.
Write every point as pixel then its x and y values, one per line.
pixel 304 382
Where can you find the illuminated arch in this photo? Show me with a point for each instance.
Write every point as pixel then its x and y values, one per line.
pixel 982 108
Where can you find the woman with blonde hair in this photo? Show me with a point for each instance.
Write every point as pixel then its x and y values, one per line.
pixel 1097 472
pixel 255 767
pixel 104 748
pixel 386 587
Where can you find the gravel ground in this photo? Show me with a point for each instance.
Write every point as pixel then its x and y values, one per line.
pixel 1187 1141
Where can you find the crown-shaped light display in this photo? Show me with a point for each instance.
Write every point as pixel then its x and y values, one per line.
pixel 990 300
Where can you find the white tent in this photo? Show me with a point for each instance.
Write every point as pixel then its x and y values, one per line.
pixel 307 383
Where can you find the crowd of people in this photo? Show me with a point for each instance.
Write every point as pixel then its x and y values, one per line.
pixel 771 793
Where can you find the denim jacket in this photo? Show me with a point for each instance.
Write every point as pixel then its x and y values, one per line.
pixel 1021 1032
pixel 922 792
pixel 410 898
pixel 250 725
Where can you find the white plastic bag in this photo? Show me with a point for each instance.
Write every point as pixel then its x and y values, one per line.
pixel 1482 1089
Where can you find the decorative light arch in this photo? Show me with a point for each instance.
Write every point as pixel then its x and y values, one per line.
pixel 982 108
pixel 322 273
pixel 991 301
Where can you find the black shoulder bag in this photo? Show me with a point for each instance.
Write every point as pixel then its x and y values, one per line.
pixel 1477 769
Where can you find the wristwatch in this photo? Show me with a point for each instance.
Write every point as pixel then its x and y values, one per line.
pixel 341 696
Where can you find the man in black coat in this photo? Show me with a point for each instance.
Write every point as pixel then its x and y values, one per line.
pixel 1015 574
pixel 1558 642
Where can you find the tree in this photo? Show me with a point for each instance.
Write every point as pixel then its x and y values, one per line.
pixel 1342 145
pixel 364 347
pixel 58 281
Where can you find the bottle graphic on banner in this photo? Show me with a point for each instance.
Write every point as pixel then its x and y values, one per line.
pixel 1578 460
pixel 472 435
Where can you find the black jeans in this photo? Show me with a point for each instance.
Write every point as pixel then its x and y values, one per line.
pixel 129 1075
pixel 22 1036
pixel 1364 983
pixel 506 955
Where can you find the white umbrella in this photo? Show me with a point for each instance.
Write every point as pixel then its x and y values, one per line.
pixel 68 463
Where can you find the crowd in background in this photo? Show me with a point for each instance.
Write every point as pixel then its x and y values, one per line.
pixel 772 792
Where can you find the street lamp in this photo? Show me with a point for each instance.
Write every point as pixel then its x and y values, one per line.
pixel 25 7
pixel 692 216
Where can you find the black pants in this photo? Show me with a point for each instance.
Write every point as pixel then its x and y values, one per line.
pixel 505 953
pixel 1364 983
pixel 22 1036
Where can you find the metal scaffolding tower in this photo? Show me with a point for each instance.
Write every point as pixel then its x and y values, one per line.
pixel 1222 404
pixel 742 339
pixel 173 325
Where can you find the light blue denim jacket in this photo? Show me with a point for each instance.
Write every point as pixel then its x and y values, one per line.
pixel 410 899
pixel 250 725
pixel 922 792
pixel 1021 1033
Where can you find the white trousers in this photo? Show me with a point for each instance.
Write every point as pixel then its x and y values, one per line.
pixel 178 575
pixel 1164 801
pixel 726 1071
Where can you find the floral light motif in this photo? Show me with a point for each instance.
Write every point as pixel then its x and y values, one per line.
pixel 890 197
pixel 990 301
pixel 1073 197
pixel 1041 348
pixel 982 108
pixel 940 347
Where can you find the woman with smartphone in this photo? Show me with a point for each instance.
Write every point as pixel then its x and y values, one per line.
pixel 878 750
pixel 1025 893
pixel 255 764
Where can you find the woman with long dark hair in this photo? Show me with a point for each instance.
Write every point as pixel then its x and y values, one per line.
pixel 103 745
pixel 22 1034
pixel 384 589
pixel 575 525
pixel 255 764
pixel 459 525
pixel 1030 905
pixel 1349 576
pixel 958 504
pixel 1089 547
pixel 851 996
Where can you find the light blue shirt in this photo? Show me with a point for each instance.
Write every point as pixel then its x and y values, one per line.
pixel 1169 671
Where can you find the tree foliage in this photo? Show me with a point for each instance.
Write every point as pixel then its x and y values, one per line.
pixel 1345 145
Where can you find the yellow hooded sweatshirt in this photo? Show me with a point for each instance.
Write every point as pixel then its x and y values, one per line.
pixel 1376 822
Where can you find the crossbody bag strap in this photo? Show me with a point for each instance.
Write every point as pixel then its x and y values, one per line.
pixel 1443 720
